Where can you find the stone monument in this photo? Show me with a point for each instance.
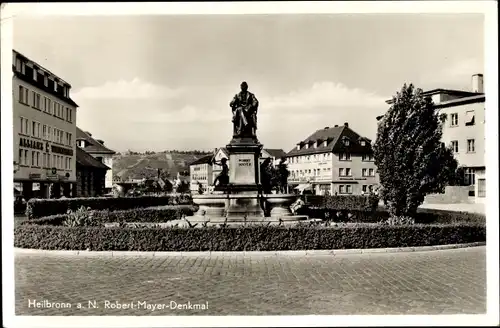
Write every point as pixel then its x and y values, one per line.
pixel 238 194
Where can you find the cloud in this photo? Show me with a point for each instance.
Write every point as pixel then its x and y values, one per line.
pixel 134 89
pixel 203 115
pixel 326 95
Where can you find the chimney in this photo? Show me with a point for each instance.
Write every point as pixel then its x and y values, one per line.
pixel 100 141
pixel 327 127
pixel 336 126
pixel 477 83
pixel 346 124
pixel 90 134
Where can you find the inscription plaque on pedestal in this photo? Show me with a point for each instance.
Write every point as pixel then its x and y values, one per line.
pixel 243 168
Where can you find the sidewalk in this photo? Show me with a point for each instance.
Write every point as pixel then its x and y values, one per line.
pixel 471 208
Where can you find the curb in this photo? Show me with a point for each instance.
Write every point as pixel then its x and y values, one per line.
pixel 24 251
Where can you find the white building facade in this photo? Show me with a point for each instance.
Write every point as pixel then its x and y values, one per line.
pixel 333 161
pixel 44 127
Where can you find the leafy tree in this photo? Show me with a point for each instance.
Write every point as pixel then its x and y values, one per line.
pixel 411 159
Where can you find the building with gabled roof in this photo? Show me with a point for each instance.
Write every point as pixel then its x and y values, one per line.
pixel 96 148
pixel 334 160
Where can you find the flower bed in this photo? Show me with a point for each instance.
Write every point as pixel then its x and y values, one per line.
pixel 424 216
pixel 150 214
pixel 254 238
pixel 37 208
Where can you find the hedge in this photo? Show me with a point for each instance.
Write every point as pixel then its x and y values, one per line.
pixel 425 216
pixel 359 203
pixel 257 238
pixel 151 214
pixel 37 208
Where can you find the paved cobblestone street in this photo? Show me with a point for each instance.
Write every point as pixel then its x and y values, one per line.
pixel 432 282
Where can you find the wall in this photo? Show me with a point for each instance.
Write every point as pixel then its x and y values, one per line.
pixel 200 173
pixel 480 187
pixel 32 114
pixel 108 161
pixel 452 195
pixel 461 132
pixel 356 180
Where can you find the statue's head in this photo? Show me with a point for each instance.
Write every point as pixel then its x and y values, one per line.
pixel 244 86
pixel 223 160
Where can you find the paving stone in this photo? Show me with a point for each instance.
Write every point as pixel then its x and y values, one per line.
pixel 432 282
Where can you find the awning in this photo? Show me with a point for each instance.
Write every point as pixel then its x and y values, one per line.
pixel 305 186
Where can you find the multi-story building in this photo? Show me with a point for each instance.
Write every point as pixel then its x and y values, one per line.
pixel 333 160
pixel 96 148
pixel 200 172
pixel 464 130
pixel 44 130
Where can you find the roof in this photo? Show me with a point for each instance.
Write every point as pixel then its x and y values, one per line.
pixel 86 160
pixel 40 67
pixel 458 93
pixel 203 160
pixel 462 101
pixel 277 153
pixel 94 146
pixel 455 102
pixel 333 136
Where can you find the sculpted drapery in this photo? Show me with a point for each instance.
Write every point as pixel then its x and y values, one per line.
pixel 244 107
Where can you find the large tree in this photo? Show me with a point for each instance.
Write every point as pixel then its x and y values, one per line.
pixel 411 159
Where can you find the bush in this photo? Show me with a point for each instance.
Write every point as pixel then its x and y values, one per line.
pixel 358 203
pixel 37 208
pixel 424 216
pixel 151 214
pixel 256 238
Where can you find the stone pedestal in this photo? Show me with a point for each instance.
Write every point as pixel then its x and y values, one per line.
pixel 244 179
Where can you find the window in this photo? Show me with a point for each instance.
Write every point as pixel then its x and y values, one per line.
pixel 33 158
pixel 45 81
pixel 46 107
pixel 363 143
pixel 49 133
pixel 67 114
pixel 341 172
pixel 454 146
pixel 469 118
pixel 348 172
pixel 18 64
pixel 471 147
pixel 364 172
pixel 367 158
pixel 344 157
pixel 371 172
pixel 22 98
pixel 325 143
pixel 33 125
pixel 341 189
pixel 349 189
pixel 22 129
pixel 55 85
pixel 26 154
pixel 54 108
pixel 470 176
pixel 36 100
pixel 35 74
pixel 346 142
pixel 481 188
pixel 20 160
pixel 365 188
pixel 454 119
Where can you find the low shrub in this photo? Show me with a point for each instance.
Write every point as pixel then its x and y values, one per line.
pixel 359 203
pixel 86 217
pixel 424 216
pixel 37 208
pixel 254 238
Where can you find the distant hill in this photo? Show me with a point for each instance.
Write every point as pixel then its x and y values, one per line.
pixel 133 165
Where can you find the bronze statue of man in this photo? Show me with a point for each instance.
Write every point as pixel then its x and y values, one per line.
pixel 244 106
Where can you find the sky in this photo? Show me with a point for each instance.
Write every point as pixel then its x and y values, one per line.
pixel 165 82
